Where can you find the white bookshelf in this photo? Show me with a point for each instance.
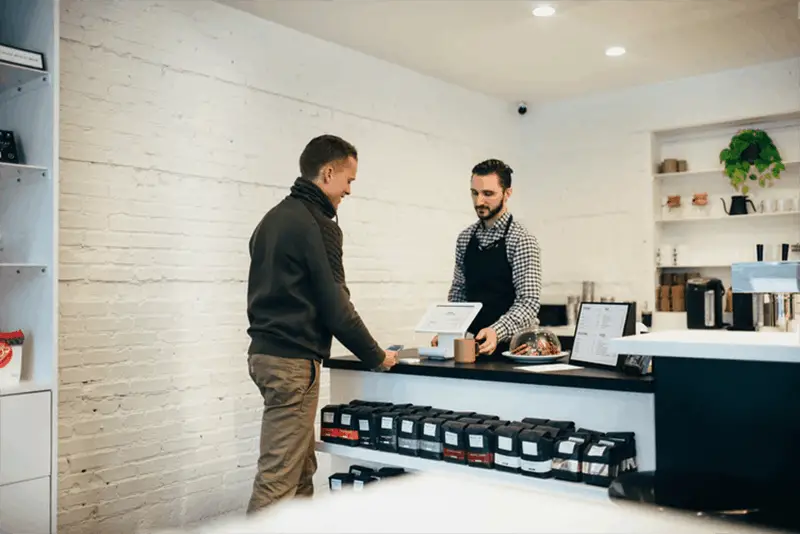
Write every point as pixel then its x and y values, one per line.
pixel 707 239
pixel 29 269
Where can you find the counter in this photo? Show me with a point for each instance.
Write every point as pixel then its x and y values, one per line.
pixel 727 414
pixel 596 399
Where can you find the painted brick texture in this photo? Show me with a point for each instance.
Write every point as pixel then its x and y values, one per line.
pixel 181 124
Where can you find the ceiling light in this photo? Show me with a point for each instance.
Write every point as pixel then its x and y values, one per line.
pixel 544 11
pixel 615 51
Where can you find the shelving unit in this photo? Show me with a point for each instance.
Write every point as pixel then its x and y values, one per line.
pixel 29 269
pixel 706 238
pixel 412 463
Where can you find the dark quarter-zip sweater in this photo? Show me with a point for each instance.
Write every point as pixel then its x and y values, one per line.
pixel 297 298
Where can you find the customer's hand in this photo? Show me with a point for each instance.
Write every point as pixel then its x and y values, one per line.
pixel 390 360
pixel 435 341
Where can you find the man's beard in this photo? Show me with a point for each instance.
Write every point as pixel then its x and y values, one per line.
pixel 491 213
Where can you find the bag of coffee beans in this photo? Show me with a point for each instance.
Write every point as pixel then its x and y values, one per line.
pixel 389 472
pixel 535 421
pixel 367 432
pixel 431 439
pixel 348 425
pixel 329 425
pixel 455 448
pixel 480 445
pixel 387 431
pixel 567 458
pixel 359 481
pixel 506 456
pixel 483 416
pixel 567 426
pixel 601 463
pixel 360 470
pixel 459 415
pixel 341 481
pixel 536 453
pixel 408 434
pixel 628 453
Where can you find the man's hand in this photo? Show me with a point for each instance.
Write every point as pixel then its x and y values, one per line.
pixel 435 341
pixel 488 339
pixel 390 360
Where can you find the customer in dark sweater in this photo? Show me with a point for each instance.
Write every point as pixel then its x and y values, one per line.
pixel 297 301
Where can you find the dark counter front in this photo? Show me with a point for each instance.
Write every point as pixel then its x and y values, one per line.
pixel 505 371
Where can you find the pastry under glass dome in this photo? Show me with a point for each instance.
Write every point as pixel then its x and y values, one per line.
pixel 536 341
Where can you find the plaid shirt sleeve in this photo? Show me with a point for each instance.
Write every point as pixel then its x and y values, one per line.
pixel 524 256
pixel 458 288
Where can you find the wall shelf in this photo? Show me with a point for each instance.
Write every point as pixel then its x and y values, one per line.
pixel 705 239
pixel 715 173
pixel 413 463
pixel 14 77
pixel 731 218
pixel 11 171
pixel 29 103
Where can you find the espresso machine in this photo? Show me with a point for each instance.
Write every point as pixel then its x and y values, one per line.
pixel 774 286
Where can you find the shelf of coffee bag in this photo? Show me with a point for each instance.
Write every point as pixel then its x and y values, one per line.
pixel 413 463
pixel 507 371
pixel 13 171
pixel 16 76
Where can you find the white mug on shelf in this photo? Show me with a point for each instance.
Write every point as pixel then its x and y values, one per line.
pixel 788 204
pixel 768 205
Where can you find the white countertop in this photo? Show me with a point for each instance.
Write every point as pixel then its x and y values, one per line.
pixel 713 344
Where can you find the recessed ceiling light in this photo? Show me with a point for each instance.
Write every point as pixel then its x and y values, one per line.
pixel 615 51
pixel 544 11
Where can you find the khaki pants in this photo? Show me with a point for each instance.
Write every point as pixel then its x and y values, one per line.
pixel 287 461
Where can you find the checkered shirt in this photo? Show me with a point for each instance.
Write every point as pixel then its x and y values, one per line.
pixel 523 253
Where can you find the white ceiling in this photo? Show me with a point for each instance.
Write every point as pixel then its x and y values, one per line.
pixel 497 47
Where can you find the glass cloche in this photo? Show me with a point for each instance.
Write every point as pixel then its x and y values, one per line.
pixel 535 341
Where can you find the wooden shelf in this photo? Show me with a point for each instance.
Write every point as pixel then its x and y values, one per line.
pixel 14 77
pixel 413 463
pixel 13 171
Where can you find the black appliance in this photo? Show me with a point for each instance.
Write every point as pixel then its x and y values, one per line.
pixel 704 298
pixel 743 316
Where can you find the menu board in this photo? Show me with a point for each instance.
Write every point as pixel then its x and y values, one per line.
pixel 597 325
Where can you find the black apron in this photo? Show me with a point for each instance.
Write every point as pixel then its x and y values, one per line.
pixel 490 281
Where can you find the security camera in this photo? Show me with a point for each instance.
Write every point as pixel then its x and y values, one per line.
pixel 522 109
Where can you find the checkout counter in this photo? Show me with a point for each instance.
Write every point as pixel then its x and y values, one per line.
pixel 716 437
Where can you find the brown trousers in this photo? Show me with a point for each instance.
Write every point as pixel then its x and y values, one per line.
pixel 287 460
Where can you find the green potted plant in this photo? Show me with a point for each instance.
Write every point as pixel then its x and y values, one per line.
pixel 751 156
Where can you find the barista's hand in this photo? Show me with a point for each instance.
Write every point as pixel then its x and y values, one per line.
pixel 488 339
pixel 435 341
pixel 390 360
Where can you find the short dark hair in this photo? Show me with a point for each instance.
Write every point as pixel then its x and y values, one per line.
pixel 323 150
pixel 494 166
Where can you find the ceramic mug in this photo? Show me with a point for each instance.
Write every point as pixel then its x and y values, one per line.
pixel 768 206
pixel 700 199
pixel 787 204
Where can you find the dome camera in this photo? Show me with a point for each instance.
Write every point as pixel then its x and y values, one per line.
pixel 522 108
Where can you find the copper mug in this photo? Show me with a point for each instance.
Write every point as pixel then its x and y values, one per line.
pixel 466 350
pixel 700 199
pixel 674 201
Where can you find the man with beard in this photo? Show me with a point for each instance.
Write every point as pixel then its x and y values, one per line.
pixel 497 263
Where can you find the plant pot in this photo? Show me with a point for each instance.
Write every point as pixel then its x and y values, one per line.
pixel 738 205
pixel 750 154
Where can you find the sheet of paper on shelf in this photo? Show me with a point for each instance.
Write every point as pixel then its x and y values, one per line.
pixel 549 368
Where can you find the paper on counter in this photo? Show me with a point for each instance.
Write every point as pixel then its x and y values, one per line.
pixel 409 360
pixel 549 368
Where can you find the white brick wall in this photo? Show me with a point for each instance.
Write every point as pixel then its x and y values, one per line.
pixel 181 125
pixel 589 195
